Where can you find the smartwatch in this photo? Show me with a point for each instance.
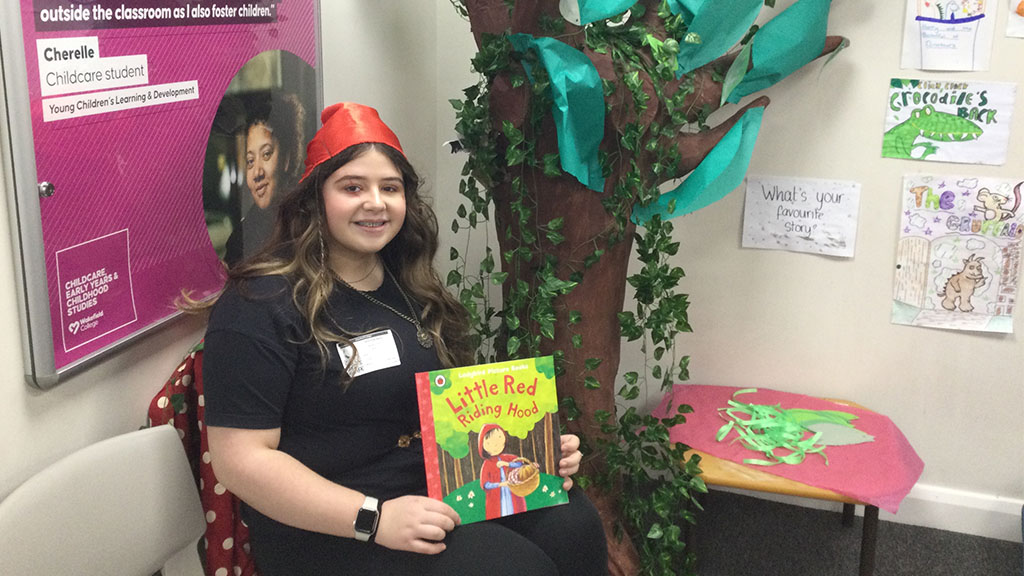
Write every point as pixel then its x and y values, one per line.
pixel 366 519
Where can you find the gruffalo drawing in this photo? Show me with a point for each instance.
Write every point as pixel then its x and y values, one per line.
pixel 963 284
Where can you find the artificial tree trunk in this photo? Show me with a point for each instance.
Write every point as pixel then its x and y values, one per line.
pixel 600 295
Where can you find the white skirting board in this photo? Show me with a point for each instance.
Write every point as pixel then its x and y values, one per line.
pixel 935 507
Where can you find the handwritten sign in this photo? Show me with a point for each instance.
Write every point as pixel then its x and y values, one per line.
pixel 801 215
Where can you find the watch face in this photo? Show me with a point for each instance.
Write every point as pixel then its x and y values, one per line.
pixel 366 521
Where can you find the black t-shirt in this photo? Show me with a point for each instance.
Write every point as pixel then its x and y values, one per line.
pixel 261 371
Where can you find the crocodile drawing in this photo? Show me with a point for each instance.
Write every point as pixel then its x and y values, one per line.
pixel 928 123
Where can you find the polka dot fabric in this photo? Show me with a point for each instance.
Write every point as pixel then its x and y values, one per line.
pixel 180 404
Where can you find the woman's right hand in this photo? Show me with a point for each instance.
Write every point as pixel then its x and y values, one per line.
pixel 415 524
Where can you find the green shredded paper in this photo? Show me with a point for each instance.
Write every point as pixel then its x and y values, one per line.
pixel 785 436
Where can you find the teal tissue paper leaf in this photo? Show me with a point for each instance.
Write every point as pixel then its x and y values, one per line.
pixel 578 106
pixel 594 10
pixel 784 45
pixel 720 25
pixel 688 8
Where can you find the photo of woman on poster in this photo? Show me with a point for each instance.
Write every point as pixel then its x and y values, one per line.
pixel 256 150
pixel 274 155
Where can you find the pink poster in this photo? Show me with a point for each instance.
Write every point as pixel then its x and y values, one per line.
pixel 147 118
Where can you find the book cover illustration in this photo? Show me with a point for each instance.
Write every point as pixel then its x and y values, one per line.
pixel 958 256
pixel 491 441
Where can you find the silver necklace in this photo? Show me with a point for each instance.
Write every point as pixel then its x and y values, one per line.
pixel 376 262
pixel 422 336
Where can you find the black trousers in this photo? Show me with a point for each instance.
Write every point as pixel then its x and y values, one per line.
pixel 563 540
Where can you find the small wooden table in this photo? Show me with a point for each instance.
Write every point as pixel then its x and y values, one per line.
pixel 718 472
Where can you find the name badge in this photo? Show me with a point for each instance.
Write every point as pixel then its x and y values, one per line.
pixel 377 351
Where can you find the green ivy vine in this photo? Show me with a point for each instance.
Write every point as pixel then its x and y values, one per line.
pixel 660 486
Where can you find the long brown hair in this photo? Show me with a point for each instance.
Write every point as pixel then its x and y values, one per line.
pixel 298 251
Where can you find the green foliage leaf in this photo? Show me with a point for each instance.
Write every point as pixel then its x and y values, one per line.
pixel 514 135
pixel 737 71
pixel 572 411
pixel 684 369
pixel 631 330
pixel 513 346
pixel 629 392
pixel 552 165
pixel 512 321
pixel 593 258
pixel 487 264
pixel 454 278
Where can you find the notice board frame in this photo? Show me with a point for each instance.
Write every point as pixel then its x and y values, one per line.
pixel 47 302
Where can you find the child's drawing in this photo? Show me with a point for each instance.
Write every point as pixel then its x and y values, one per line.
pixel 953 35
pixel 902 140
pixel 1015 19
pixel 992 203
pixel 961 286
pixel 958 258
pixel 948 121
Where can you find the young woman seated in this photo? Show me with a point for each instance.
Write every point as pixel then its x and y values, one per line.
pixel 309 367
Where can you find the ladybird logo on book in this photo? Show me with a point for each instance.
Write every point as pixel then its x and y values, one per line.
pixel 490 437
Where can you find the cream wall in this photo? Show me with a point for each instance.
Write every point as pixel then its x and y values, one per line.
pixel 383 54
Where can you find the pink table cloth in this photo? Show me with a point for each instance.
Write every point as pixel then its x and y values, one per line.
pixel 881 472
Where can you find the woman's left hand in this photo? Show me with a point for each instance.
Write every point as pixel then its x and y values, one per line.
pixel 571 457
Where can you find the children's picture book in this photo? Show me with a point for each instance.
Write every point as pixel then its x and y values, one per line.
pixel 491 441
